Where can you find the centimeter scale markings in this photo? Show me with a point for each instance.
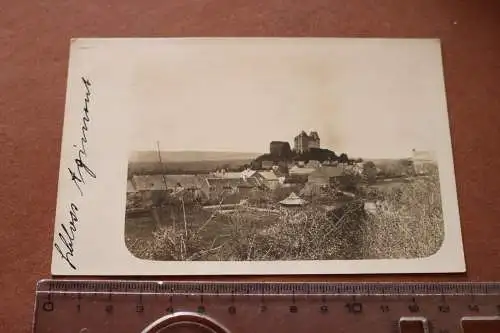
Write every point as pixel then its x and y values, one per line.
pixel 231 307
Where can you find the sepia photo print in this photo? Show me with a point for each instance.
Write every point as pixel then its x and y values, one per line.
pixel 280 153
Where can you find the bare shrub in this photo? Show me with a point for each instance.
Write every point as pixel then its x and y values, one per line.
pixel 408 222
pixel 310 234
pixel 173 244
pixel 241 241
pixel 139 247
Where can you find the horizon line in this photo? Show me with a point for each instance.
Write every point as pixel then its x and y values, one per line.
pixel 379 157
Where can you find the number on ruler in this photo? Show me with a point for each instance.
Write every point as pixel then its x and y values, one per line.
pixel 232 309
pixel 201 309
pixel 354 307
pixel 109 308
pixel 294 309
pixel 139 308
pixel 323 309
pixel 170 310
pixel 384 308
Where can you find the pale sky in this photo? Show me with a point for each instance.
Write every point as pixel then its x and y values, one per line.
pixel 368 98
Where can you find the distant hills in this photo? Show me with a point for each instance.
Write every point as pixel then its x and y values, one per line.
pixel 186 162
pixel 189 156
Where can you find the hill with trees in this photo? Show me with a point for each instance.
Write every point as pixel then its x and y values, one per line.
pixel 288 155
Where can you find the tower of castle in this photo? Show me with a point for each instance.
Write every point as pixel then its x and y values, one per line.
pixel 304 142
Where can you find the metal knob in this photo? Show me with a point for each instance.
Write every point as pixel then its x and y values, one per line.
pixel 185 322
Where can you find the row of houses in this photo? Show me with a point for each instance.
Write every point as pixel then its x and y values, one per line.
pixel 208 186
pixel 213 185
pixel 309 166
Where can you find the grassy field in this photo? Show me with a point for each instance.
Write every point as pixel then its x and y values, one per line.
pixel 407 223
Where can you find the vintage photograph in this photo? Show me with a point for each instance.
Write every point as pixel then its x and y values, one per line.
pixel 236 156
pixel 285 153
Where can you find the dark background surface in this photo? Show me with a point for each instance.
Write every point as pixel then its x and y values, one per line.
pixel 34 45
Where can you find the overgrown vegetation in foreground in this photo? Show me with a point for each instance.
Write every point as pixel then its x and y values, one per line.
pixel 407 223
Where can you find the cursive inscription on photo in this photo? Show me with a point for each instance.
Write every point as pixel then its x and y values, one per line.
pixel 79 172
pixel 80 169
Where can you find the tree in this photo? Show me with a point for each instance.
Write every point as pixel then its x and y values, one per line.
pixel 349 181
pixel 370 172
pixel 343 158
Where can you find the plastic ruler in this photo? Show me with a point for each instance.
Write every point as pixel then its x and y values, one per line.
pixel 95 306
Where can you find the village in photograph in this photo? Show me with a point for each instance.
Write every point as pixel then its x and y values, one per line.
pixel 299 200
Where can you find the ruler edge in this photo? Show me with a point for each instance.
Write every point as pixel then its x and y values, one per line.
pixel 473 286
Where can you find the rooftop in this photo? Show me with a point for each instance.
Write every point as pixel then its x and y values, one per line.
pixel 312 134
pixel 233 182
pixel 293 200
